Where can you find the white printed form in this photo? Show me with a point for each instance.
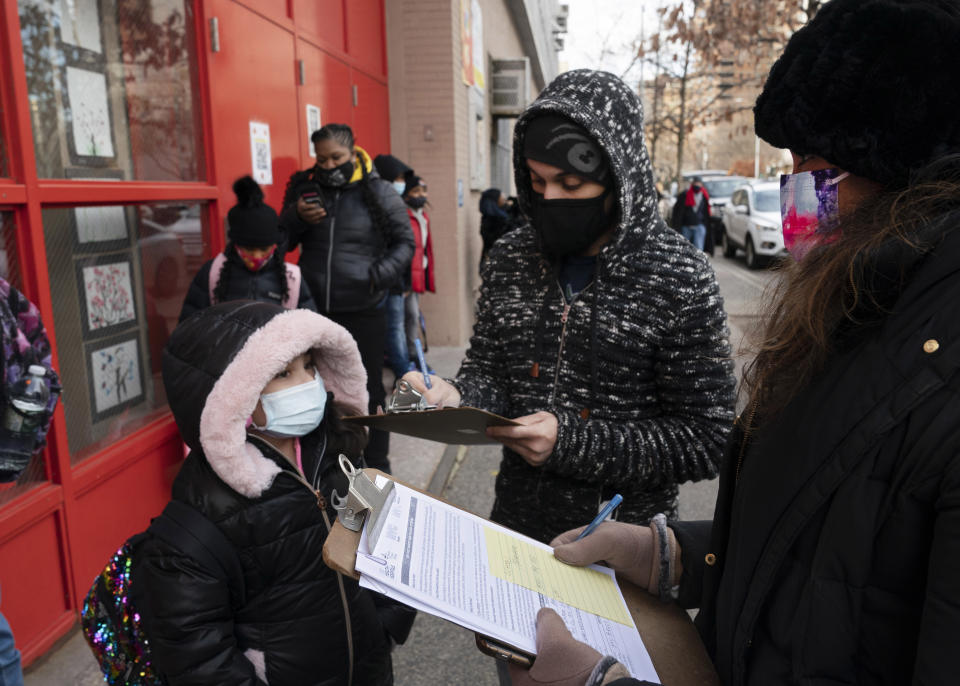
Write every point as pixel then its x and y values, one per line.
pixel 455 565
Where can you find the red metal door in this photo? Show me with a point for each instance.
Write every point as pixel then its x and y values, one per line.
pixel 252 79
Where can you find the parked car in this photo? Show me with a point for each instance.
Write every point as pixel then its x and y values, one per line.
pixel 720 188
pixel 751 222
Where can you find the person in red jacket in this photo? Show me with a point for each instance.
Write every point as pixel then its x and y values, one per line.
pixel 421 267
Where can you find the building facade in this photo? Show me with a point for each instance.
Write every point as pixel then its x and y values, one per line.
pixel 447 127
pixel 123 124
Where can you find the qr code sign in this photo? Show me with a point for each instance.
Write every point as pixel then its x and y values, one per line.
pixel 263 155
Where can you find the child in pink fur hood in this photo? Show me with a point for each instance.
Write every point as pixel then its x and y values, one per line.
pixel 257 392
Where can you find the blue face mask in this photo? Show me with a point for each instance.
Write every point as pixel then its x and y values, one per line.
pixel 294 411
pixel 400 187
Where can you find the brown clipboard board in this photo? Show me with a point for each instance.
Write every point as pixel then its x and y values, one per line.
pixel 668 633
pixel 452 425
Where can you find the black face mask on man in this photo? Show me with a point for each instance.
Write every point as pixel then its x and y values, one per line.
pixel 336 177
pixel 569 226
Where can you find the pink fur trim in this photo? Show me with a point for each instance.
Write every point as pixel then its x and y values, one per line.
pixel 234 396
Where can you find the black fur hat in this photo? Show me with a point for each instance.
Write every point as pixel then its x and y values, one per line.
pixel 252 223
pixel 872 86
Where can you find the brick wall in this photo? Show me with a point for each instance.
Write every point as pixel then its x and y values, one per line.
pixel 429 100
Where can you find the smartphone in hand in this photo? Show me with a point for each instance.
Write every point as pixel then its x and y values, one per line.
pixel 503 652
pixel 313 198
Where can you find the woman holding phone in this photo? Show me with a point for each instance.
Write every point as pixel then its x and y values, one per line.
pixel 355 244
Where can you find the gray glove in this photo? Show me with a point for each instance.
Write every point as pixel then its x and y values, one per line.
pixel 626 548
pixel 648 556
pixel 562 660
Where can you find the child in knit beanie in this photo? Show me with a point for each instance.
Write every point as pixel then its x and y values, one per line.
pixel 252 266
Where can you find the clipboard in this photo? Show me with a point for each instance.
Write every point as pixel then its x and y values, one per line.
pixel 671 639
pixel 408 413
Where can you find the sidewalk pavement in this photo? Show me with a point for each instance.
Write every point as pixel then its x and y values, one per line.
pixel 420 463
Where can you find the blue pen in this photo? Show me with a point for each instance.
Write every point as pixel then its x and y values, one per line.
pixel 604 513
pixel 423 363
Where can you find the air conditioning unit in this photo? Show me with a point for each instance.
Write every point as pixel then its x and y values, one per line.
pixel 509 89
pixel 561 19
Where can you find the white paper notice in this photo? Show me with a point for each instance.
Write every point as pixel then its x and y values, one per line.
pixel 437 558
pixel 313 123
pixel 260 153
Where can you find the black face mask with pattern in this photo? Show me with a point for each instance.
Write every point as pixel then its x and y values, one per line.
pixel 569 226
pixel 336 177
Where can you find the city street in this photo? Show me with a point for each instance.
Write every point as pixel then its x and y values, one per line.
pixel 437 649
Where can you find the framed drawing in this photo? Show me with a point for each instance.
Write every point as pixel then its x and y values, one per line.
pixel 80 25
pixel 105 284
pixel 102 227
pixel 90 128
pixel 114 375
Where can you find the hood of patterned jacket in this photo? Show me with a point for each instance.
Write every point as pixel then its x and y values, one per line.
pixel 612 114
pixel 218 361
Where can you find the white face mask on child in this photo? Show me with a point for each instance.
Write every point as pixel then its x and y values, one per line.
pixel 294 411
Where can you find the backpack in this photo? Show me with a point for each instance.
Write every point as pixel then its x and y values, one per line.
pixel 293 281
pixel 23 342
pixel 112 625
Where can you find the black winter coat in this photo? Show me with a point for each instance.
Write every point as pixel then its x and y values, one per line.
pixel 837 535
pixel 291 628
pixel 242 284
pixel 636 370
pixel 348 262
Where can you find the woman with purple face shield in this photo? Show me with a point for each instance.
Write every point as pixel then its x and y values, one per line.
pixel 834 552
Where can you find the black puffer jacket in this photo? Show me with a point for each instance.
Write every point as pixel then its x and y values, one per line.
pixel 637 370
pixel 348 262
pixel 838 543
pixel 242 284
pixel 292 627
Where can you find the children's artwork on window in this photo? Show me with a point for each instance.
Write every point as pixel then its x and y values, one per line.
pixel 107 287
pixel 114 373
pixel 80 24
pixel 101 224
pixel 89 113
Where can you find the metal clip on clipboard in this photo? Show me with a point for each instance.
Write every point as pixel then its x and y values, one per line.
pixel 364 500
pixel 406 398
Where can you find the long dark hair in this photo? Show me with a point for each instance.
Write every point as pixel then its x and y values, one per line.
pixel 234 262
pixel 343 135
pixel 826 302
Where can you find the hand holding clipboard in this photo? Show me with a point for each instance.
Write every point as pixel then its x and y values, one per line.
pixel 410 412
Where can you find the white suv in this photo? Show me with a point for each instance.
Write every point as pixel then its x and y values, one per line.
pixel 751 222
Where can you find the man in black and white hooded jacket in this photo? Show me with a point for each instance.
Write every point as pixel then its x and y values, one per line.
pixel 601 330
